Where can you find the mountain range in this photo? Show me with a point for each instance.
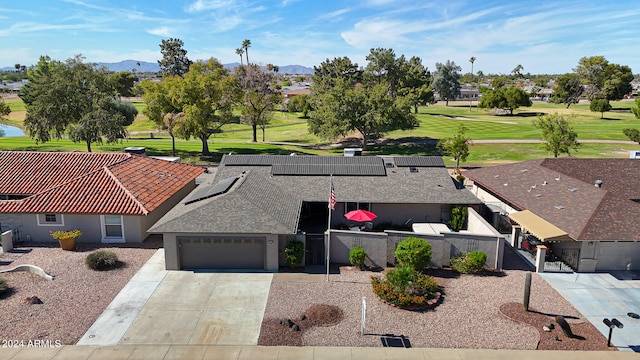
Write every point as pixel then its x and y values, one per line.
pixel 143 66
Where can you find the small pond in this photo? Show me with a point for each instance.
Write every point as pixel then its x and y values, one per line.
pixel 8 130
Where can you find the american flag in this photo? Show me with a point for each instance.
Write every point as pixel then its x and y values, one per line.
pixel 332 198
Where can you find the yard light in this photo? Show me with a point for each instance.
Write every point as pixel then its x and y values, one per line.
pixel 613 323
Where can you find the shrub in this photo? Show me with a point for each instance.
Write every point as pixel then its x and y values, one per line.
pixel 102 260
pixel 469 263
pixel 414 252
pixel 357 256
pixel 3 286
pixel 458 217
pixel 293 253
pixel 406 288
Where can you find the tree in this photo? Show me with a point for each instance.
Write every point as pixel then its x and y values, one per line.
pixel 384 66
pixel 456 146
pixel 300 103
pixel 239 51
pixel 164 105
pixel 364 108
pixel 632 134
pixel 415 83
pixel 604 80
pixel 636 109
pixel 329 71
pixel 568 90
pixel 600 105
pixel 259 98
pixel 174 57
pixel 123 83
pixel 72 98
pixel 509 98
pixel 4 108
pixel 446 81
pixel 557 133
pixel 207 94
pixel 246 44
pixel 517 71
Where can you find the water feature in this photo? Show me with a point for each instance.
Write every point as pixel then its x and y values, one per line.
pixel 8 130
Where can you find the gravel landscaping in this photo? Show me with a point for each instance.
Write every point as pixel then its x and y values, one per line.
pixel 73 300
pixel 475 313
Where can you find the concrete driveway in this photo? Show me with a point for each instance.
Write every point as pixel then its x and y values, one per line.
pixel 601 295
pixel 183 308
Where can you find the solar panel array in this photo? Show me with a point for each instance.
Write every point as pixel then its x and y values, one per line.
pixel 418 161
pixel 205 192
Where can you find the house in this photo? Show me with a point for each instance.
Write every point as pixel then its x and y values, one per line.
pixel 244 215
pixel 584 210
pixel 110 197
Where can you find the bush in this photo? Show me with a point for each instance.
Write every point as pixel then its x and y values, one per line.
pixel 3 286
pixel 293 253
pixel 458 217
pixel 357 256
pixel 406 288
pixel 469 263
pixel 102 260
pixel 414 252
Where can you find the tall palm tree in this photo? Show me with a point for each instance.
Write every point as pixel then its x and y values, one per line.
pixel 239 51
pixel 246 44
pixel 472 60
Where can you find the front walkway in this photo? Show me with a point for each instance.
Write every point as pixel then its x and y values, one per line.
pixel 600 295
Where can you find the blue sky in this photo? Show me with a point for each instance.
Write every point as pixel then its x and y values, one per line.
pixel 542 36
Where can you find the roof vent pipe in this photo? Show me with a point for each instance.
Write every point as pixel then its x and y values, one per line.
pixel 598 183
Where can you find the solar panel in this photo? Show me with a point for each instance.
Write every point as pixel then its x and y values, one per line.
pixel 418 161
pixel 211 190
pixel 329 169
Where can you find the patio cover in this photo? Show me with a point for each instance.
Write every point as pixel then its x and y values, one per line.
pixel 542 229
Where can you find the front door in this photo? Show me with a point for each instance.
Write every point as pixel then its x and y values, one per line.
pixel 314 254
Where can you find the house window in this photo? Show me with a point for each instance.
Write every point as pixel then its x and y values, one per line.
pixel 112 228
pixel 357 206
pixel 50 220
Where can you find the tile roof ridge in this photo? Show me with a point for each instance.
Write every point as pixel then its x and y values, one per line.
pixel 123 188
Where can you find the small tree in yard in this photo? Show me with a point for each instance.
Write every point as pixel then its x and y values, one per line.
pixel 558 134
pixel 600 105
pixel 458 217
pixel 294 252
pixel 456 146
pixel 414 252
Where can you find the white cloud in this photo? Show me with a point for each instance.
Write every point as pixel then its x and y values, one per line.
pixel 161 31
pixel 203 5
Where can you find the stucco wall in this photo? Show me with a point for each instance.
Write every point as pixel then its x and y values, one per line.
pixel 374 244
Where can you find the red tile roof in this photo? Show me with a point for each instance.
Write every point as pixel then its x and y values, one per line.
pixel 89 183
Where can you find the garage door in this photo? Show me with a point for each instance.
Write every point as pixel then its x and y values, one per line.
pixel 221 253
pixel 618 255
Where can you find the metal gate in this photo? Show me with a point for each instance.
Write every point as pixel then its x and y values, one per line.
pixel 571 257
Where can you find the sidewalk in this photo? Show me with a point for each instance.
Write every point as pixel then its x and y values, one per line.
pixel 172 352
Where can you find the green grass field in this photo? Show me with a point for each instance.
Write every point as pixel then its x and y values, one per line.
pixel 436 121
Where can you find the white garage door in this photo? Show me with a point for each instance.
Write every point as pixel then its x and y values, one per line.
pixel 221 253
pixel 618 255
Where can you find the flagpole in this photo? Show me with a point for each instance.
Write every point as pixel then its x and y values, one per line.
pixel 331 205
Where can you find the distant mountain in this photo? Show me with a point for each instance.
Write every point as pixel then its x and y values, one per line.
pixel 128 65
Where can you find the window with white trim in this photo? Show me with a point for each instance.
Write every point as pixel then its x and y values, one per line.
pixel 50 219
pixel 112 227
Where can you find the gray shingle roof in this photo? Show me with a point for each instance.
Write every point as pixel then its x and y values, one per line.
pixel 263 202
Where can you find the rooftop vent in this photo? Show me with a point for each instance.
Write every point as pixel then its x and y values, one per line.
pixel 413 169
pixel 537 195
pixel 598 183
pixel 524 170
pixel 559 207
pixel 388 165
pixel 573 189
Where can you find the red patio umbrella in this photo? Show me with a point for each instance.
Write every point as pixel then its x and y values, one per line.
pixel 360 215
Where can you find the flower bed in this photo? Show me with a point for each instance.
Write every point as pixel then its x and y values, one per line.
pixel 418 292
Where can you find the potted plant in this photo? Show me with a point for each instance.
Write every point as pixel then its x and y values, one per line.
pixel 67 238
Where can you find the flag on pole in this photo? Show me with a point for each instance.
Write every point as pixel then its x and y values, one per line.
pixel 332 198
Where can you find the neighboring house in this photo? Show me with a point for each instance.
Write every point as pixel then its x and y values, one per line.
pixel 243 216
pixel 110 197
pixel 585 210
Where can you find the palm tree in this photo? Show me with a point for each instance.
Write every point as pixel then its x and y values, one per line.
pixel 472 60
pixel 246 44
pixel 239 51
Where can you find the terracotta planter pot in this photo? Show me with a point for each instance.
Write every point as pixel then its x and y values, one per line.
pixel 67 243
